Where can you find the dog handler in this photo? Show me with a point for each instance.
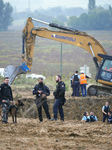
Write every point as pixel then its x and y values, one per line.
pixel 5 98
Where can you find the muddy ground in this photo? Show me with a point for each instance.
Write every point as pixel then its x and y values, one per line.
pixel 72 134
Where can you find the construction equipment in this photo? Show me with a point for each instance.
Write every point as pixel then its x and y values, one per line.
pixel 65 35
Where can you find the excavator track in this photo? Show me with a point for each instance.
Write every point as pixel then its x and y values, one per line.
pixel 95 90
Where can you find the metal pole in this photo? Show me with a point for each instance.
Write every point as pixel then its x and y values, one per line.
pixel 40 21
pixel 61 61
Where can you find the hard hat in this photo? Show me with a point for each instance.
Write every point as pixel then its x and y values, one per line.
pixel 81 71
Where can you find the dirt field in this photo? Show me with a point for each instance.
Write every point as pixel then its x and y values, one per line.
pixel 30 134
pixel 72 134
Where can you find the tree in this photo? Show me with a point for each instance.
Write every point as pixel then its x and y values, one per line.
pixel 72 21
pixel 59 22
pixel 5 15
pixel 1 14
pixel 91 5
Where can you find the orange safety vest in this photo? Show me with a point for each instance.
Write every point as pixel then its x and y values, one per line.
pixel 83 79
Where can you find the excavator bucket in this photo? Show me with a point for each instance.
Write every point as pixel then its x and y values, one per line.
pixel 12 71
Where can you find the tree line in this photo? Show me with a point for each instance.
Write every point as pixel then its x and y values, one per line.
pixel 5 15
pixel 96 18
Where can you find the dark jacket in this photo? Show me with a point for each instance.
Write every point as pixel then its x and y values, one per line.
pixel 106 109
pixel 92 118
pixel 5 92
pixel 41 87
pixel 110 119
pixel 60 90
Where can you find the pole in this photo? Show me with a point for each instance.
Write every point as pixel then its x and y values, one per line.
pixel 61 61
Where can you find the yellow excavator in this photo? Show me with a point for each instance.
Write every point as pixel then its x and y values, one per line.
pixel 103 62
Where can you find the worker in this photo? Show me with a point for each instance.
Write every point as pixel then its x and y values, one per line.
pixel 105 110
pixel 110 117
pixel 42 91
pixel 75 82
pixel 59 95
pixel 85 117
pixel 110 66
pixel 92 117
pixel 83 83
pixel 6 99
pixel 72 85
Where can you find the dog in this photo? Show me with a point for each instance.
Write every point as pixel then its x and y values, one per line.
pixel 13 110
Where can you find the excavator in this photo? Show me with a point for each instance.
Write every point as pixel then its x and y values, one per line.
pixel 103 62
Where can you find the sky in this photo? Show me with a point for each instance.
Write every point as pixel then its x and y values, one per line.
pixel 35 4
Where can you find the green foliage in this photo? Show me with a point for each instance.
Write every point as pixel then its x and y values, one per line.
pixel 59 22
pixel 5 15
pixel 98 19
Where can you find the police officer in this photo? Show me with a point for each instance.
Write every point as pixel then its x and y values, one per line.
pixel 92 117
pixel 59 95
pixel 105 111
pixel 5 99
pixel 41 91
pixel 85 117
pixel 76 84
pixel 72 85
pixel 110 117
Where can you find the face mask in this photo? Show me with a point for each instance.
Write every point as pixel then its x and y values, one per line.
pixel 57 81
pixel 41 83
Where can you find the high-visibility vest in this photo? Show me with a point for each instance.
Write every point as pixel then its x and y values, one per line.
pixel 83 79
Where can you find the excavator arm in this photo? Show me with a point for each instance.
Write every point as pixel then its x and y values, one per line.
pixel 64 35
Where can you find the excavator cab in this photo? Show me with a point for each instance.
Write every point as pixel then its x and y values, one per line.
pixel 104 75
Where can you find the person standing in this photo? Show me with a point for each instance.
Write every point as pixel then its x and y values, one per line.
pixel 76 84
pixel 41 91
pixel 59 95
pixel 83 83
pixel 105 110
pixel 6 99
pixel 72 85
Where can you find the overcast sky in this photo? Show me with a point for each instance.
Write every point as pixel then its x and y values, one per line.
pixel 35 4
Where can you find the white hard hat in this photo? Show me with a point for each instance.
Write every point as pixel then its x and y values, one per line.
pixel 81 71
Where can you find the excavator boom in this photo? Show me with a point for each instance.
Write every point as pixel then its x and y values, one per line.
pixel 64 35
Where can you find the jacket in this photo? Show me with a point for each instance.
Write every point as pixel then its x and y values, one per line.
pixel 5 92
pixel 41 87
pixel 60 90
pixel 106 109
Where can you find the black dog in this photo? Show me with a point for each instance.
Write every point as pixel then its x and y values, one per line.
pixel 13 110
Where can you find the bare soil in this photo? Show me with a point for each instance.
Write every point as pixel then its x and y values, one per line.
pixel 72 134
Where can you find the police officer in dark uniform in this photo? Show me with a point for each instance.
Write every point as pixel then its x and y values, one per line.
pixel 5 99
pixel 110 117
pixel 59 95
pixel 76 84
pixel 41 91
pixel 105 111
